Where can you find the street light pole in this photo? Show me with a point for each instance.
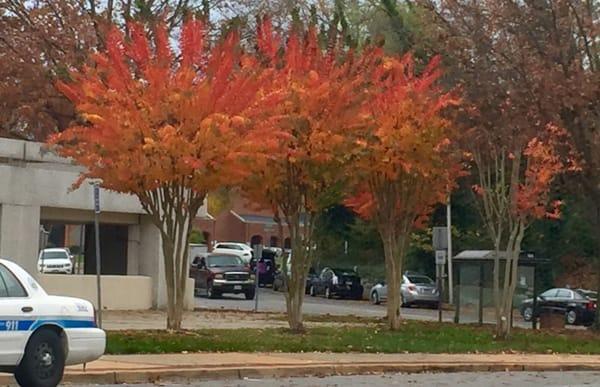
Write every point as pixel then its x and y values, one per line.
pixel 98 259
pixel 449 236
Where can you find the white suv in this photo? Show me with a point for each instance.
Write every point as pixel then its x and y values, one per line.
pixel 242 250
pixel 40 334
pixel 55 261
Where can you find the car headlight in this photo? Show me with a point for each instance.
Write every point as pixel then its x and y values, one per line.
pixel 252 277
pixel 218 276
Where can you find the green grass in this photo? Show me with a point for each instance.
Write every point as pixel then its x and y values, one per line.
pixel 414 337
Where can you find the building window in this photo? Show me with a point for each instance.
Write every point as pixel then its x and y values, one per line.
pixel 274 242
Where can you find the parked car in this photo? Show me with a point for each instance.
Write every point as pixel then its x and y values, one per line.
pixel 579 310
pixel 415 289
pixel 40 334
pixel 591 294
pixel 279 281
pixel 56 260
pixel 217 274
pixel 334 282
pixel 242 250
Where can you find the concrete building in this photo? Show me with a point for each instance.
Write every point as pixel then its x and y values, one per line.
pixel 35 192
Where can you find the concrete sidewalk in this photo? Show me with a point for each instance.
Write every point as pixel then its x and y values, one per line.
pixel 213 366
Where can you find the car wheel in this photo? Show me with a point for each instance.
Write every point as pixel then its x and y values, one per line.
pixel 249 295
pixel 210 292
pixel 375 298
pixel 572 317
pixel 312 291
pixel 43 363
pixel 527 313
pixel 403 302
pixel 327 292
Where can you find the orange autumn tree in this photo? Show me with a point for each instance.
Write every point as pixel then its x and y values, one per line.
pixel 165 125
pixel 405 160
pixel 515 175
pixel 313 100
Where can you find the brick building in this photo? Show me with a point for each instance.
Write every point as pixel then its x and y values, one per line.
pixel 243 222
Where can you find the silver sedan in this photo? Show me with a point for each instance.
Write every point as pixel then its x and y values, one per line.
pixel 415 289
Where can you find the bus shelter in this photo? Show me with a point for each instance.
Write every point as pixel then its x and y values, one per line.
pixel 474 284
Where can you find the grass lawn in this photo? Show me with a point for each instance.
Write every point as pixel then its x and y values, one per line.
pixel 414 337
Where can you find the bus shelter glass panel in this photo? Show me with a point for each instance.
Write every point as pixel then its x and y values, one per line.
pixel 468 293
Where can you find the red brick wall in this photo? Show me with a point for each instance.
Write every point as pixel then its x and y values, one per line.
pixel 230 228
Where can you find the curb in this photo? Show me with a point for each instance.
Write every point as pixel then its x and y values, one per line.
pixel 238 372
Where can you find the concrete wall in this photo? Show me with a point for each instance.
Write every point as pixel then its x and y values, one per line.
pixel 36 185
pixel 118 292
pixel 19 234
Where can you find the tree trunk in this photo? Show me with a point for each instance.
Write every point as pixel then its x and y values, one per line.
pixel 301 238
pixel 175 263
pixel 172 209
pixel 496 290
pixel 596 227
pixel 513 250
pixel 596 324
pixel 394 249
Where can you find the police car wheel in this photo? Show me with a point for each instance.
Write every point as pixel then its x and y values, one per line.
pixel 43 363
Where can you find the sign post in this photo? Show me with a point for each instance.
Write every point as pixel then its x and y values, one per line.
pixel 449 247
pixel 98 259
pixel 440 261
pixel 257 256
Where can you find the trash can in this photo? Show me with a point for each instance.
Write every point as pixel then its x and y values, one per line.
pixel 552 317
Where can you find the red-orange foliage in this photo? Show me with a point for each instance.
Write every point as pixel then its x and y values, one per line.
pixel 407 162
pixel 406 140
pixel 546 159
pixel 165 127
pixel 314 100
pixel 149 121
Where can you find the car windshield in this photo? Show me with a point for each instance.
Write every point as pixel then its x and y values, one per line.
pixel 223 260
pixel 588 293
pixel 344 272
pixel 54 255
pixel 420 279
pixel 549 293
pixel 578 296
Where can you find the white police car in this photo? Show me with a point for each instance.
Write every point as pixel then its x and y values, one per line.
pixel 40 334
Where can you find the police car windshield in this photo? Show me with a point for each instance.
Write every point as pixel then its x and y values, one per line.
pixel 54 255
pixel 223 260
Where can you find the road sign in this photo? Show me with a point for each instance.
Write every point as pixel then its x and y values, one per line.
pixel 96 198
pixel 440 257
pixel 440 238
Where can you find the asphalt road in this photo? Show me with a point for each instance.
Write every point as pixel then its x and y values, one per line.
pixel 271 301
pixel 520 379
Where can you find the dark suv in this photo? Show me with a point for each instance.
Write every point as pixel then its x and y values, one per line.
pixel 216 274
pixel 341 283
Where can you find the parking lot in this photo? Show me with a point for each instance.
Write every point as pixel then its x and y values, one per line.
pixel 271 301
